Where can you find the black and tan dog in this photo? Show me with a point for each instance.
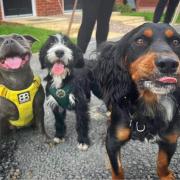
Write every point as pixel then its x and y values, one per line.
pixel 67 86
pixel 139 80
pixel 21 93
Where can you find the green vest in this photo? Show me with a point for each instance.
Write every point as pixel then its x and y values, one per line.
pixel 61 95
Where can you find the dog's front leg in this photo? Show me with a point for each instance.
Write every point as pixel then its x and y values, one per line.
pixel 3 125
pixel 167 148
pixel 82 122
pixel 60 115
pixel 117 135
pixel 38 110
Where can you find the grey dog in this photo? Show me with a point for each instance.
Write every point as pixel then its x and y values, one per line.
pixel 21 93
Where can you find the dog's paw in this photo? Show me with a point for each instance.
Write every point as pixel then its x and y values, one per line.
pixel 72 99
pixel 83 147
pixel 51 102
pixel 58 140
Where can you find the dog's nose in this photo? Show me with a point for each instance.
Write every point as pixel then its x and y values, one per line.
pixel 167 65
pixel 59 53
pixel 9 42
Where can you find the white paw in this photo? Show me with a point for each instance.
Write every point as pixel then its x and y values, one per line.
pixel 58 140
pixel 82 147
pixel 108 113
pixel 51 102
pixel 72 99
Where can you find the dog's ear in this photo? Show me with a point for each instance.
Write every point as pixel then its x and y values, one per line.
pixel 43 53
pixel 42 56
pixel 30 39
pixel 112 72
pixel 78 57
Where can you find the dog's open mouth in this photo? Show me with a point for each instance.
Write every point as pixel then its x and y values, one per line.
pixel 58 68
pixel 162 85
pixel 14 63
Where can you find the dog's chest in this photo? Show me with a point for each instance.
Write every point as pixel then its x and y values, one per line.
pixel 148 122
pixel 62 95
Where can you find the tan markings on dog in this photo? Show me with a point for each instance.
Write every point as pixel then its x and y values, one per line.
pixel 172 138
pixel 123 134
pixel 120 175
pixel 143 67
pixel 162 167
pixel 148 96
pixel 169 33
pixel 148 33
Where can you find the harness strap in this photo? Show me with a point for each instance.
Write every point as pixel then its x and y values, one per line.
pixel 23 100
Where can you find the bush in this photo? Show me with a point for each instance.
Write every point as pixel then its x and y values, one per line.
pixel 122 8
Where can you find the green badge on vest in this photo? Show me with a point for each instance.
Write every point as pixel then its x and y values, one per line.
pixel 62 95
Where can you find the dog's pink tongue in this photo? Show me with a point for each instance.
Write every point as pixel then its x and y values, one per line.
pixel 13 63
pixel 57 69
pixel 168 80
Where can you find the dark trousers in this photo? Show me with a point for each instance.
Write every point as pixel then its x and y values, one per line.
pixel 94 10
pixel 171 7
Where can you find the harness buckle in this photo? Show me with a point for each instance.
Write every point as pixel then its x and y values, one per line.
pixel 138 129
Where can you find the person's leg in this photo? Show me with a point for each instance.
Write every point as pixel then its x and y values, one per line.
pixel 104 14
pixel 159 10
pixel 89 10
pixel 170 10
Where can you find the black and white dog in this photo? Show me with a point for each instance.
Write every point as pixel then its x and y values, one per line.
pixel 67 85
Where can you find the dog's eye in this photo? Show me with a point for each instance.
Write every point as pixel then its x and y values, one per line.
pixel 175 42
pixel 18 38
pixel 140 42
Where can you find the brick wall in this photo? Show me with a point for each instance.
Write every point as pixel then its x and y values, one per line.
pixel 119 1
pixel 146 3
pixel 48 7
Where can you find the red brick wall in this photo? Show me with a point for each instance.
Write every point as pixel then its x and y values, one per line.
pixel 146 3
pixel 119 1
pixel 48 7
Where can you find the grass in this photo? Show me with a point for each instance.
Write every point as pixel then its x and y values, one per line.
pixel 148 16
pixel 40 34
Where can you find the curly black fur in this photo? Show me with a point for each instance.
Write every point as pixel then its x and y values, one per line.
pixel 77 79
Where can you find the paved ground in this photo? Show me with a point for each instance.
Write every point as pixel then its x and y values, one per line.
pixel 30 158
pixel 118 25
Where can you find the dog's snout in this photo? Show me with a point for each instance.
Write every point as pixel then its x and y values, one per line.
pixel 9 42
pixel 167 65
pixel 59 53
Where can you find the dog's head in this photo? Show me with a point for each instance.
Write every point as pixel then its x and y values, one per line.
pixel 59 55
pixel 147 57
pixel 15 51
pixel 152 57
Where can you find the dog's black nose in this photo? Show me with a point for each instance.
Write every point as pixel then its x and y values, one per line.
pixel 167 65
pixel 59 53
pixel 9 42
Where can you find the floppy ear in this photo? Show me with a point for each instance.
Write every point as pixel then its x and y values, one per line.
pixel 78 57
pixel 112 72
pixel 30 39
pixel 43 53
pixel 105 71
pixel 42 56
pixel 124 84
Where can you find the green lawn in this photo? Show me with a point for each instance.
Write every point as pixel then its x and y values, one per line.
pixel 147 15
pixel 40 34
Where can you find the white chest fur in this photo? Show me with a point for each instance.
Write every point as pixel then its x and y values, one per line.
pixel 169 106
